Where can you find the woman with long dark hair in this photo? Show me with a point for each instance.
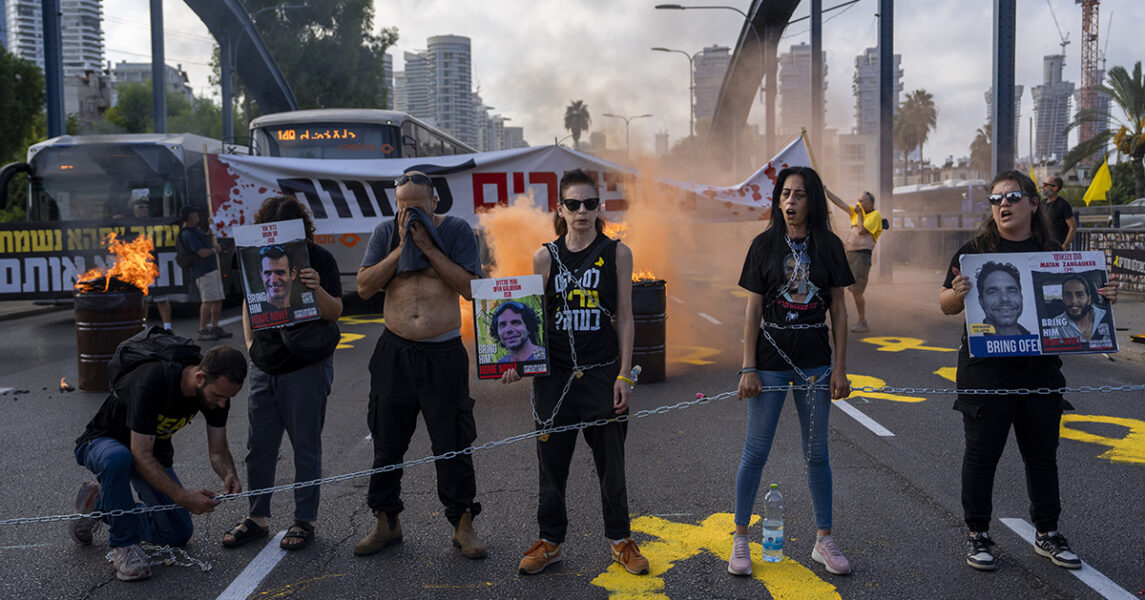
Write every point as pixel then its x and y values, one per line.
pixel 795 273
pixel 1016 223
pixel 589 328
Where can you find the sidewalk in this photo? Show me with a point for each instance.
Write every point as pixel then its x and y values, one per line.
pixel 15 309
pixel 916 288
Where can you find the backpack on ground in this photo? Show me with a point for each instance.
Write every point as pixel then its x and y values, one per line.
pixel 183 255
pixel 153 343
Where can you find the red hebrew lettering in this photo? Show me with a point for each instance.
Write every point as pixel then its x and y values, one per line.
pixel 549 179
pixel 482 179
pixel 518 183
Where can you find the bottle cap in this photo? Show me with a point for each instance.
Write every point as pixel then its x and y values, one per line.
pixel 775 486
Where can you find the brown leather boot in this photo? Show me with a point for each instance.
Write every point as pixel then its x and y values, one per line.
pixel 465 538
pixel 388 531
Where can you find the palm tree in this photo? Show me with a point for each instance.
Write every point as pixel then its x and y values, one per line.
pixel 577 120
pixel 1127 132
pixel 916 116
pixel 980 150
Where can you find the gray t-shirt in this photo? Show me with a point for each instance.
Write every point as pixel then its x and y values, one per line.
pixel 457 239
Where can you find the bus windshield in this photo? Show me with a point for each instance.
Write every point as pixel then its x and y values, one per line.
pixel 96 181
pixel 327 140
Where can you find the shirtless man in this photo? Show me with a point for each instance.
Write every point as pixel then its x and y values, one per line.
pixel 420 364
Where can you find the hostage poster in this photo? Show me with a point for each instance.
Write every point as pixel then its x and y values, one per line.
pixel 271 255
pixel 509 319
pixel 1035 303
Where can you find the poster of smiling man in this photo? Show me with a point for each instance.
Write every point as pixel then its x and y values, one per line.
pixel 271 256
pixel 509 319
pixel 1035 303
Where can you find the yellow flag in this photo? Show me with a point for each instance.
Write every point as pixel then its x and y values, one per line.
pixel 1034 177
pixel 1100 184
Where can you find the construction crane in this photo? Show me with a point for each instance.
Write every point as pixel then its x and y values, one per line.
pixel 1063 35
pixel 1090 71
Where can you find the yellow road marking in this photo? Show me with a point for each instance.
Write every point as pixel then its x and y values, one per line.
pixel 785 580
pixel 289 590
pixel 947 373
pixel 344 342
pixel 868 381
pixel 898 344
pixel 692 355
pixel 362 320
pixel 1129 449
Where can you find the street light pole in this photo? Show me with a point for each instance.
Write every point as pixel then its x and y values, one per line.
pixel 691 86
pixel 626 120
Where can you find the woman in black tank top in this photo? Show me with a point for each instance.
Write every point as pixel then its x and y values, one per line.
pixel 589 328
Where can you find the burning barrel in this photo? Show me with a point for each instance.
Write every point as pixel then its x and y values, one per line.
pixel 104 319
pixel 649 303
pixel 110 308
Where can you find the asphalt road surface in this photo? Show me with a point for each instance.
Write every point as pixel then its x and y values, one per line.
pixel 895 460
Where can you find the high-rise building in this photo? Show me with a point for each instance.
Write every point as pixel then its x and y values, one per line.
pixel 4 25
pixel 795 88
pixel 417 88
pixel 514 137
pixel 711 65
pixel 81 36
pixel 401 95
pixel 865 85
pixel 1017 109
pixel 1051 110
pixel 388 79
pixel 451 86
pixel 25 30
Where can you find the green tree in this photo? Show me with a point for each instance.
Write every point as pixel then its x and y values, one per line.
pixel 327 51
pixel 917 116
pixel 21 100
pixel 1126 131
pixel 980 150
pixel 577 120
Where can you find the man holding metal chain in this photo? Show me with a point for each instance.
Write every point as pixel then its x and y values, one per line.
pixel 423 261
pixel 588 295
pixel 795 273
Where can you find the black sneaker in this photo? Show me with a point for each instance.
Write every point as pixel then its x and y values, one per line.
pixel 206 335
pixel 221 333
pixel 978 553
pixel 1054 546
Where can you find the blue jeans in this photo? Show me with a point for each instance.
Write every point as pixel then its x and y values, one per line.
pixel 114 466
pixel 762 419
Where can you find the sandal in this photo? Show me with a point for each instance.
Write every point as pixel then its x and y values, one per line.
pixel 298 536
pixel 244 533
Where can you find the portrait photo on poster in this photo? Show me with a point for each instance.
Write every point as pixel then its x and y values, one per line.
pixel 1035 303
pixel 509 324
pixel 271 255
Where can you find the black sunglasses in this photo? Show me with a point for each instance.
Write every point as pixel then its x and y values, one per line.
pixel 273 250
pixel 1013 197
pixel 573 204
pixel 416 178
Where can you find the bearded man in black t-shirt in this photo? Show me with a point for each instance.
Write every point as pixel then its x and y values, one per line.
pixel 128 443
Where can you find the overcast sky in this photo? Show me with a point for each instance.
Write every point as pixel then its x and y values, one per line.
pixel 532 57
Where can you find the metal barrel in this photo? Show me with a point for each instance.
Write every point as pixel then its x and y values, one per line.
pixel 103 321
pixel 649 306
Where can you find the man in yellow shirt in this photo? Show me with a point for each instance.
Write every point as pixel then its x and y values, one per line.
pixel 859 242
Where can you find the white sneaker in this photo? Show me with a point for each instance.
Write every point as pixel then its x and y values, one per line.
pixel 131 563
pixel 740 562
pixel 827 552
pixel 861 327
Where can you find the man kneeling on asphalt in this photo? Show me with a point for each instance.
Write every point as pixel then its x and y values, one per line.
pixel 128 443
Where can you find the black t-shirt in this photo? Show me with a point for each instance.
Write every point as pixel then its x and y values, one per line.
pixel 803 303
pixel 1060 214
pixel 148 400
pixel 270 352
pixel 593 333
pixel 1005 372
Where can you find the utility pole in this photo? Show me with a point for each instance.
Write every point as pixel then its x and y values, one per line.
pixel 886 122
pixel 1002 142
pixel 158 69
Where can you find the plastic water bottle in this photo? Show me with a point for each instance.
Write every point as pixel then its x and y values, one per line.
pixel 773 525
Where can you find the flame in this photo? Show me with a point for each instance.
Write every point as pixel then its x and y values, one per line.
pixel 616 230
pixel 643 275
pixel 134 264
pixel 64 385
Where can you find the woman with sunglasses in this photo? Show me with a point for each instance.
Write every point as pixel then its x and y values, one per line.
pixel 589 328
pixel 1016 223
pixel 795 273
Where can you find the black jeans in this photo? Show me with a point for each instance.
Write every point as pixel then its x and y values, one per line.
pixel 1035 419
pixel 589 398
pixel 432 378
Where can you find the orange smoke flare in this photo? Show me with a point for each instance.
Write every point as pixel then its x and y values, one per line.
pixel 134 264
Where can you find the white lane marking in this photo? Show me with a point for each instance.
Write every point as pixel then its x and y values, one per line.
pixel 5 390
pixel 247 581
pixel 23 546
pixel 1087 574
pixel 229 320
pixel 710 318
pixel 863 420
pixel 677 300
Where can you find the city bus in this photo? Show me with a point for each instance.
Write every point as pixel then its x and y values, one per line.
pixel 950 204
pixel 350 133
pixel 83 184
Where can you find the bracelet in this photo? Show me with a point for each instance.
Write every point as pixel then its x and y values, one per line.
pixel 746 370
pixel 625 380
